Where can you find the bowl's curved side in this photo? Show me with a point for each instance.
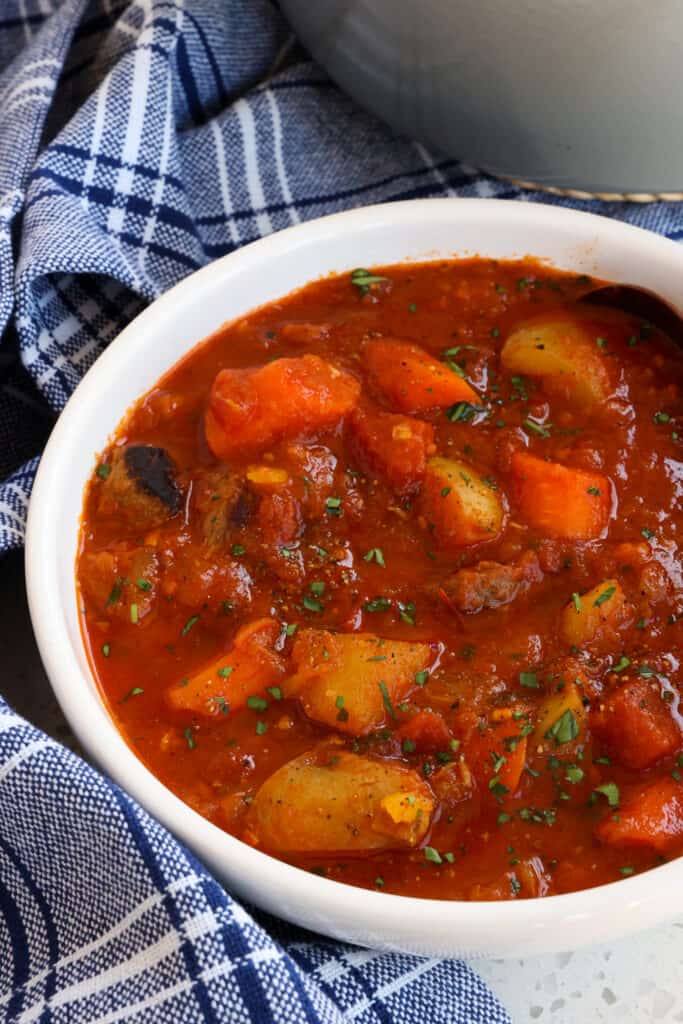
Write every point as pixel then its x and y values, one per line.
pixel 150 345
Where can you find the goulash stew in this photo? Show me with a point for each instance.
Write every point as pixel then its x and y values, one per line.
pixel 384 579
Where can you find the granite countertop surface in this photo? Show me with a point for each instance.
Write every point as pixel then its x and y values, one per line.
pixel 634 981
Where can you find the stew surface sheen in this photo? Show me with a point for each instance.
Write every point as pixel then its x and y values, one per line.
pixel 384 579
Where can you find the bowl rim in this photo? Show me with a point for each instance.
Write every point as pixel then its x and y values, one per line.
pixel 330 905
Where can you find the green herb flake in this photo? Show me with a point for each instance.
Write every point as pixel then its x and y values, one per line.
pixel 408 747
pixel 374 555
pixel 106 650
pixel 377 604
pixel 576 600
pixel 574 774
pixel 333 506
pixel 115 592
pixel 661 417
pixel 386 699
pixel 275 692
pixel 364 279
pixel 605 596
pixel 225 671
pixel 379 882
pixel 422 677
pixel 189 738
pixel 445 491
pixel 406 611
pixel 594 490
pixel 529 680
pixel 610 790
pixel 135 692
pixel 623 663
pixel 261 727
pixel 626 870
pixel 463 412
pixel 103 471
pixel 565 729
pixel 318 588
pixel 432 855
pixel 542 429
pixel 192 621
pixel 290 628
pixel 647 534
pixel 257 703
pixel 312 605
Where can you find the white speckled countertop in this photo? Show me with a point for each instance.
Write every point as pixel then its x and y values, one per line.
pixel 632 982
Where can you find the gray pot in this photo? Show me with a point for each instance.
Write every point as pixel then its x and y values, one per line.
pixel 576 94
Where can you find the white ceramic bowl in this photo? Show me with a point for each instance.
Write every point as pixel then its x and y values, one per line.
pixel 229 288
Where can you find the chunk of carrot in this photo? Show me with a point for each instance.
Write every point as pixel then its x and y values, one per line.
pixel 410 379
pixel 394 446
pixel 653 817
pixel 636 726
pixel 498 755
pixel 226 682
pixel 426 731
pixel 560 501
pixel 250 409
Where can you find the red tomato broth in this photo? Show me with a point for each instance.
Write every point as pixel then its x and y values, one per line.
pixel 502 661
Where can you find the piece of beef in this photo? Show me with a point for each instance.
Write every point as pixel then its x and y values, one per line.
pixel 490 584
pixel 140 486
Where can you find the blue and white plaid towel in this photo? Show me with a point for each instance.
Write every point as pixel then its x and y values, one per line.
pixel 138 141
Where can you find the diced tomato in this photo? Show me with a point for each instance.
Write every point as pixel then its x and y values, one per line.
pixel 654 818
pixel 226 682
pixel 250 409
pixel 427 730
pixel 636 726
pixel 411 379
pixel 396 447
pixel 497 756
pixel 560 501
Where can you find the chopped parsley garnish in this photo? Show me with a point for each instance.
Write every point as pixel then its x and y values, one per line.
pixel 290 628
pixel 626 870
pixel 406 611
pixel 463 412
pixel 257 703
pixel 386 699
pixel 237 549
pixel 529 680
pixel 645 671
pixel 623 663
pixel 116 591
pixel 192 621
pixel 408 747
pixel 106 650
pixel 412 307
pixel 611 791
pixel 661 417
pixel 374 555
pixel 221 704
pixel 574 774
pixel 311 604
pixel 135 692
pixel 576 599
pixel 225 671
pixel 594 490
pixel 422 677
pixel 432 855
pixel 275 692
pixel 189 738
pixel 342 713
pixel 261 727
pixel 647 534
pixel 503 818
pixel 143 584
pixel 377 604
pixel 103 471
pixel 445 491
pixel 542 429
pixel 318 588
pixel 379 882
pixel 363 280
pixel 605 596
pixel 333 506
pixel 565 729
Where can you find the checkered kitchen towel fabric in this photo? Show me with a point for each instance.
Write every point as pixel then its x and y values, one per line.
pixel 139 140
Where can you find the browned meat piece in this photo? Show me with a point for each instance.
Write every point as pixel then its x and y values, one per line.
pixel 491 584
pixel 115 578
pixel 223 504
pixel 140 486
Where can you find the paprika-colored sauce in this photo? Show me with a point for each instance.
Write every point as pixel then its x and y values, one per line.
pixel 384 579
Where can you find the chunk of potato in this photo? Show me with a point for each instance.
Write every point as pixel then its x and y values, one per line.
pixel 561 718
pixel 412 380
pixel 461 506
pixel 225 683
pixel 250 409
pixel 564 354
pixel 595 615
pixel 351 681
pixel 331 801
pixel 560 501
